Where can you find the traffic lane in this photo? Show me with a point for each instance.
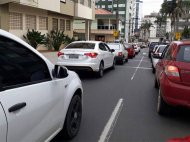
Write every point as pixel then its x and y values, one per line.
pixel 100 97
pixel 139 120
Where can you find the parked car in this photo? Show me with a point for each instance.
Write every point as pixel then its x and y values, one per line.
pixel 157 52
pixel 130 48
pixel 151 47
pixel 38 99
pixel 137 48
pixel 93 56
pixel 186 139
pixel 121 53
pixel 173 76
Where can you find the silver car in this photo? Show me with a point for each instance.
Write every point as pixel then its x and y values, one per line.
pixel 121 53
pixel 158 52
pixel 87 55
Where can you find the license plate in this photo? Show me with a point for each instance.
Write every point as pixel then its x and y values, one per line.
pixel 73 56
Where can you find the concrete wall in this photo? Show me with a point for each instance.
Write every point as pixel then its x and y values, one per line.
pixel 67 8
pixel 82 11
pixel 4 17
pixel 52 5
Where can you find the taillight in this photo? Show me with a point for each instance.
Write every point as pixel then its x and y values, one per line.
pixel 92 55
pixel 172 73
pixel 149 48
pixel 120 54
pixel 60 53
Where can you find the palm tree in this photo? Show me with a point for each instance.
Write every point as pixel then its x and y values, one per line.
pixel 159 21
pixel 146 28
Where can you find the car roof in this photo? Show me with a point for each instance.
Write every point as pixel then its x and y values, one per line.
pixel 114 43
pixel 185 42
pixel 96 42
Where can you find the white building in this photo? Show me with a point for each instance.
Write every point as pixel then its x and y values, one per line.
pixel 139 15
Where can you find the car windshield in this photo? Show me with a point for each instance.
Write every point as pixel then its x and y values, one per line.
pixel 161 48
pixel 81 46
pixel 114 46
pixel 127 45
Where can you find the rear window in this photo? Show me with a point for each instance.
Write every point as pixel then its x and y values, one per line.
pixel 81 46
pixel 154 43
pixel 114 46
pixel 127 45
pixel 161 49
pixel 183 54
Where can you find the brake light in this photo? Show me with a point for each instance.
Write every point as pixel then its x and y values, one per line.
pixel 149 48
pixel 172 73
pixel 92 55
pixel 120 54
pixel 60 53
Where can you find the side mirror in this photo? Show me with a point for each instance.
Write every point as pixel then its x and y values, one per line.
pixel 60 71
pixel 157 56
pixel 112 50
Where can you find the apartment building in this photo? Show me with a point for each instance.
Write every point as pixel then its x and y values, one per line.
pixel 17 16
pixel 102 27
pixel 139 15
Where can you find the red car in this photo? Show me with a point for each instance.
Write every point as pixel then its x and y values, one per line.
pixel 187 139
pixel 130 48
pixel 173 76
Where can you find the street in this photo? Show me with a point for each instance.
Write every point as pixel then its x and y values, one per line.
pixel 121 106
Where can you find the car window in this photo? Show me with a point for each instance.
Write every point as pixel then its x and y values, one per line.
pixel 102 47
pixel 127 45
pixel 107 47
pixel 161 49
pixel 81 46
pixel 168 54
pixel 183 54
pixel 19 65
pixel 114 46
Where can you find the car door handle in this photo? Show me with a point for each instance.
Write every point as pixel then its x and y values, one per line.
pixel 17 107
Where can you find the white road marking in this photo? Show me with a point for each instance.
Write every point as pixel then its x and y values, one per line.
pixel 139 60
pixel 144 53
pixel 108 129
pixel 137 68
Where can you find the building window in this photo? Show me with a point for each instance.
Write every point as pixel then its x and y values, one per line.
pixel 89 3
pixel 103 6
pixel 43 24
pixel 55 24
pixel 30 21
pixel 68 25
pixel 82 2
pixel 15 21
pixel 62 25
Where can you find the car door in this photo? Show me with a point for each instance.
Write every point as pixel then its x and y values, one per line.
pixel 31 99
pixel 110 55
pixel 105 55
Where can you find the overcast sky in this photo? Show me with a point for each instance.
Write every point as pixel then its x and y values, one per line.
pixel 151 5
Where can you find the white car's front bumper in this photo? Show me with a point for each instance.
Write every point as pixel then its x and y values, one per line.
pixel 154 62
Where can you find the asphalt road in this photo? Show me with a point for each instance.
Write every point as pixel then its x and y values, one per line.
pixel 136 118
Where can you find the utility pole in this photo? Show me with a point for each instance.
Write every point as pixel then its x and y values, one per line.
pixel 117 19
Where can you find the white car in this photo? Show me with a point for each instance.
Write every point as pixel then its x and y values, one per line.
pixel 158 52
pixel 87 55
pixel 37 99
pixel 137 48
pixel 121 53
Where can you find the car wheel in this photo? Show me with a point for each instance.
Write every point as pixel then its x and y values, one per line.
pixel 73 118
pixel 153 70
pixel 114 63
pixel 122 61
pixel 155 83
pixel 126 60
pixel 134 55
pixel 162 107
pixel 100 73
pixel 149 55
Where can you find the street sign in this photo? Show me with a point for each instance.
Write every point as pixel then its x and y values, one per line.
pixel 115 33
pixel 177 35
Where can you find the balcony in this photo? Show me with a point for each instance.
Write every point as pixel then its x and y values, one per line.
pixel 103 27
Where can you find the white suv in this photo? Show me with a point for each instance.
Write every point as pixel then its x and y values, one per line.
pixel 87 55
pixel 37 99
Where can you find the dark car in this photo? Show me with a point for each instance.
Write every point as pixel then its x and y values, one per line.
pixel 151 47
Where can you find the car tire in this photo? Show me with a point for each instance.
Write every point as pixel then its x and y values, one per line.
pixel 114 63
pixel 162 107
pixel 126 60
pixel 134 55
pixel 149 55
pixel 122 61
pixel 155 83
pixel 100 73
pixel 73 118
pixel 153 69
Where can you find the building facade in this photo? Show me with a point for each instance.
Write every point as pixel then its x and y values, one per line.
pixel 125 9
pixel 19 16
pixel 102 27
pixel 139 15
